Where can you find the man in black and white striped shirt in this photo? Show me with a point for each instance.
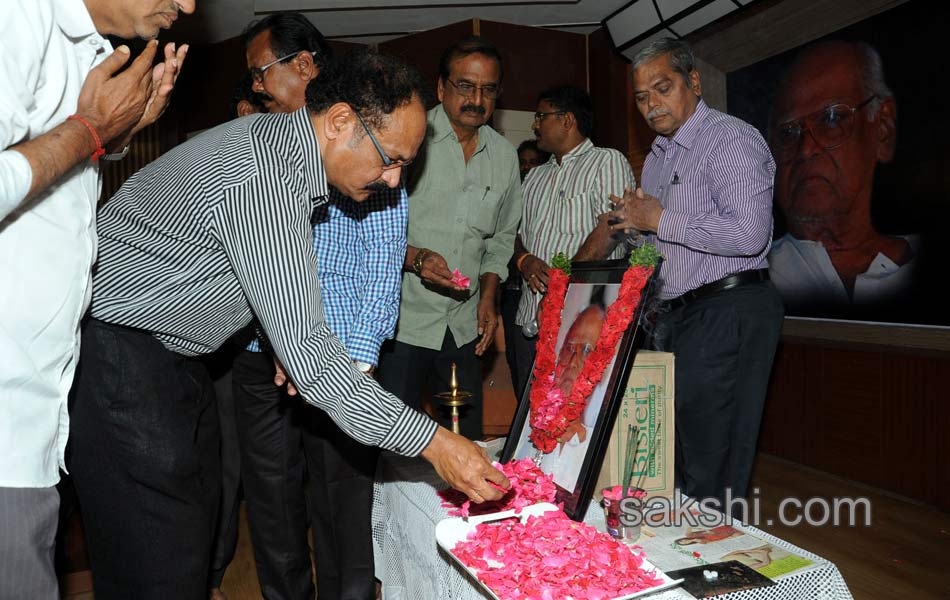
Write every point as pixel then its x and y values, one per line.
pixel 195 244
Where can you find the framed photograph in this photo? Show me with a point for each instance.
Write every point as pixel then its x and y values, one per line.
pixel 575 463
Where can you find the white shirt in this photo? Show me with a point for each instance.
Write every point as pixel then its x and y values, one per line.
pixel 47 246
pixel 804 275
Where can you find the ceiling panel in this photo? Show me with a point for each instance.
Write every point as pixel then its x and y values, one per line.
pixel 367 22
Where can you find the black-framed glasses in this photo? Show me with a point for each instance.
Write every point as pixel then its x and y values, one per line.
pixel 388 163
pixel 468 89
pixel 539 116
pixel 830 127
pixel 257 73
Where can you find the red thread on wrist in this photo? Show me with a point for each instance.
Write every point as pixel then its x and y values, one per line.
pixel 95 136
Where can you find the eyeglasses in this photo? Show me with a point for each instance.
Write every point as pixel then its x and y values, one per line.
pixel 468 90
pixel 577 348
pixel 829 127
pixel 257 73
pixel 539 116
pixel 388 163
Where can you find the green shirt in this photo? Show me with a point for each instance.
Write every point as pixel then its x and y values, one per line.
pixel 469 214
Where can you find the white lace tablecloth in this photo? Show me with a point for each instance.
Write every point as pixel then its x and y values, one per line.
pixel 411 565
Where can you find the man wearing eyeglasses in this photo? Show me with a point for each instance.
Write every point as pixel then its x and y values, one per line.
pixel 563 201
pixel 360 247
pixel 215 232
pixel 65 104
pixel 464 207
pixel 706 201
pixel 835 120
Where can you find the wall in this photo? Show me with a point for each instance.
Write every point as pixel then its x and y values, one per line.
pixel 874 414
pixel 534 59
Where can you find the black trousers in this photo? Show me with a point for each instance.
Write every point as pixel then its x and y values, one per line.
pixel 509 310
pixel 272 469
pixel 225 543
pixel 724 346
pixel 406 371
pixel 525 354
pixel 144 458
pixel 287 444
pixel 340 474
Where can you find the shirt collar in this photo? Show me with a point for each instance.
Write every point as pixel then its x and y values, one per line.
pixel 74 19
pixel 442 128
pixel 314 174
pixel 579 150
pixel 686 134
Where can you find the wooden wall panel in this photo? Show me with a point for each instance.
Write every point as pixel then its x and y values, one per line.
pixel 874 415
pixel 423 50
pixel 536 59
pixel 610 89
pixel 203 94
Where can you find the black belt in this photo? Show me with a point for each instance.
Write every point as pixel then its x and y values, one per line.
pixel 721 285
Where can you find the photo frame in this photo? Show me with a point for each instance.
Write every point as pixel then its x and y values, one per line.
pixel 576 464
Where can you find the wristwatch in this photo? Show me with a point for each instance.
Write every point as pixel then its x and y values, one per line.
pixel 363 367
pixel 420 258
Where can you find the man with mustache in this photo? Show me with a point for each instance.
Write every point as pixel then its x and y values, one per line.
pixel 215 232
pixel 360 247
pixel 563 202
pixel 62 108
pixel 835 121
pixel 706 201
pixel 465 203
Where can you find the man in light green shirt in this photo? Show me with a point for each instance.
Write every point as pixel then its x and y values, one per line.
pixel 464 208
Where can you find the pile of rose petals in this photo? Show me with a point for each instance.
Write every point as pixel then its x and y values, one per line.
pixel 551 557
pixel 460 280
pixel 529 485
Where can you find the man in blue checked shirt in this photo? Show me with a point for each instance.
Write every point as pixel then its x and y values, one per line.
pixel 360 249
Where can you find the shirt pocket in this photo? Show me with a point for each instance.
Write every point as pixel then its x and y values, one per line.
pixel 688 195
pixel 576 215
pixel 482 217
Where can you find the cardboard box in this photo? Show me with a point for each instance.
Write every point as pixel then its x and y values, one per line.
pixel 647 404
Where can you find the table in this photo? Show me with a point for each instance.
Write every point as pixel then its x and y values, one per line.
pixel 411 566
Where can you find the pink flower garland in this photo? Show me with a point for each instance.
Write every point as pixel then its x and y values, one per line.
pixel 551 412
pixel 529 485
pixel 551 557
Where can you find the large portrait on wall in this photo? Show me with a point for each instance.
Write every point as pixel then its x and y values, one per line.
pixel 575 462
pixel 857 122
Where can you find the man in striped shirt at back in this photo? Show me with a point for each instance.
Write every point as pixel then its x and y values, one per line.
pixel 706 200
pixel 213 233
pixel 563 201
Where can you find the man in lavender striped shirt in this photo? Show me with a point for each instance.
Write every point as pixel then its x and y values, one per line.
pixel 706 202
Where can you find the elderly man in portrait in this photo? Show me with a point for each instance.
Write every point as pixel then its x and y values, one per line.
pixel 464 207
pixel 565 461
pixel 706 201
pixel 834 121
